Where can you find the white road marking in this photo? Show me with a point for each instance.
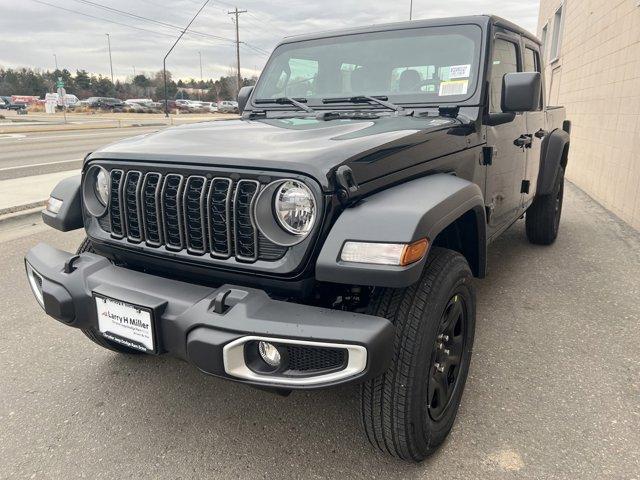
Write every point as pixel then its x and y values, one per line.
pixel 78 135
pixel 8 136
pixel 17 167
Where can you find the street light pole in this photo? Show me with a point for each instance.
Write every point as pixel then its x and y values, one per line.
pixel 411 10
pixel 55 57
pixel 110 61
pixel 164 61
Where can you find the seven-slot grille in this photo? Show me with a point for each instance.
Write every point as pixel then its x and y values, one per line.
pixel 189 213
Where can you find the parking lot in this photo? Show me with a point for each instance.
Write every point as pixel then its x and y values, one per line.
pixel 554 387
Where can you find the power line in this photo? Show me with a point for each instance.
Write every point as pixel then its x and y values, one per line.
pixel 147 19
pixel 255 49
pixel 104 19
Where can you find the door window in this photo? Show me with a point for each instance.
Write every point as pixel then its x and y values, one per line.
pixel 505 60
pixel 531 61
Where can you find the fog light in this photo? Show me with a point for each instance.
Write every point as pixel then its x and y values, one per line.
pixel 269 353
pixel 35 282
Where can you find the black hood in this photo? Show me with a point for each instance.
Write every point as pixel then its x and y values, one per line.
pixel 372 148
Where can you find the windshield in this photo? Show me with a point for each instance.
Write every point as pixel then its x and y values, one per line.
pixel 420 65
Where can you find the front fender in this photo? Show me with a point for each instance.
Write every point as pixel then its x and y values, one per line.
pixel 70 215
pixel 420 208
pixel 555 149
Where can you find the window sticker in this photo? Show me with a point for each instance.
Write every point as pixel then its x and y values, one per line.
pixel 455 87
pixel 459 71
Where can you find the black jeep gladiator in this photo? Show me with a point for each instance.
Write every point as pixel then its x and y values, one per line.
pixel 330 235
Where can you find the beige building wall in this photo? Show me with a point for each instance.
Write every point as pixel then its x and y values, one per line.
pixel 596 76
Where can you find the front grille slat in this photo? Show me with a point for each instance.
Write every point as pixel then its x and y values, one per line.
pixel 150 206
pixel 219 211
pixel 245 232
pixel 131 205
pixel 172 223
pixel 115 204
pixel 194 213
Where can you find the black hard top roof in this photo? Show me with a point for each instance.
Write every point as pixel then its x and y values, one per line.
pixel 482 20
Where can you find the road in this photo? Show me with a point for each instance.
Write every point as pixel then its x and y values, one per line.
pixel 26 154
pixel 553 393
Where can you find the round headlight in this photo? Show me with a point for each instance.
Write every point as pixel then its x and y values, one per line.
pixel 295 207
pixel 101 186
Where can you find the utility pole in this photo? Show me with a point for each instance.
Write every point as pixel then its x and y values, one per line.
pixel 411 10
pixel 55 57
pixel 237 13
pixel 134 71
pixel 110 61
pixel 164 61
pixel 200 89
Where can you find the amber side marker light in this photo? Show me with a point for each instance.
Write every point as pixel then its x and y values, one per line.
pixel 414 252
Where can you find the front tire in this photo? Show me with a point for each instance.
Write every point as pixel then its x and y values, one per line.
pixel 543 216
pixel 409 410
pixel 92 333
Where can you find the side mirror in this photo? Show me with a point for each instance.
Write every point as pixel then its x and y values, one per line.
pixel 243 97
pixel 521 92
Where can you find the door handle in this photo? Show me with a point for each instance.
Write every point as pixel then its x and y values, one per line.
pixel 541 133
pixel 524 141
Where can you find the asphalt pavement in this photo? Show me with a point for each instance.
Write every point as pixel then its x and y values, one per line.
pixel 38 153
pixel 554 390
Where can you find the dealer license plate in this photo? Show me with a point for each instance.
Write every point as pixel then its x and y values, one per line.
pixel 125 323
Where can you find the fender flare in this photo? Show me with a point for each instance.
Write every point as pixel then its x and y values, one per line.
pixel 70 215
pixel 414 210
pixel 555 151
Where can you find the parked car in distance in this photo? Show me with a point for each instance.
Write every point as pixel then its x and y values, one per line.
pixel 192 106
pixel 10 104
pixel 209 107
pixel 228 106
pixel 327 238
pixel 141 105
pixel 4 104
pixel 105 103
pixel 70 100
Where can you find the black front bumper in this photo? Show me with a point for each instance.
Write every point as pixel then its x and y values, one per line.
pixel 188 326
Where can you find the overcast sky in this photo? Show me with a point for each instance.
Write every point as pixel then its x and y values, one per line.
pixel 74 30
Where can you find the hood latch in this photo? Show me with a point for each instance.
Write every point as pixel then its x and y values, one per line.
pixel 347 183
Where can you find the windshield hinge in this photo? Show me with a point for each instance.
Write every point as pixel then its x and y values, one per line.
pixel 257 113
pixel 487 155
pixel 347 182
pixel 449 111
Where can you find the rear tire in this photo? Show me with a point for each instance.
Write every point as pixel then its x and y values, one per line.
pixel 93 334
pixel 409 410
pixel 543 216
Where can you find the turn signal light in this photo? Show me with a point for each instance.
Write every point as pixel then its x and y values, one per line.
pixel 414 252
pixel 399 254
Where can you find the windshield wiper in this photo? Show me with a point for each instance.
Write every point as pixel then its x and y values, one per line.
pixel 297 102
pixel 380 100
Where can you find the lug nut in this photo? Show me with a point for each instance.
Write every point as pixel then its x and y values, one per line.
pixel 443 338
pixel 439 367
pixel 446 351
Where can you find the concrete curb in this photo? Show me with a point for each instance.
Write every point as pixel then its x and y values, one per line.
pixel 18 209
pixel 108 124
pixel 8 219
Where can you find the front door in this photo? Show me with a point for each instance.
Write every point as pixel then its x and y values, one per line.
pixel 505 174
pixel 535 127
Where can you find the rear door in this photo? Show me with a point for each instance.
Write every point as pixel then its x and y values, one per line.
pixel 504 175
pixel 535 125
